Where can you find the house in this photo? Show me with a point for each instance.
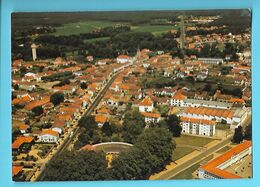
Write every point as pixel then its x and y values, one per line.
pixel 59 125
pixel 24 128
pixel 112 101
pixel 151 117
pixel 177 99
pixel 22 144
pixel 217 168
pixel 17 171
pixel 146 105
pixel 48 136
pixel 123 59
pixel 198 126
pixel 101 119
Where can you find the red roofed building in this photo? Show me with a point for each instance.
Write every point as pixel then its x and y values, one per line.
pixel 22 144
pixel 123 59
pixel 150 117
pixel 49 136
pixel 16 171
pixel 178 99
pixel 23 128
pixel 146 105
pixel 101 119
pixel 215 169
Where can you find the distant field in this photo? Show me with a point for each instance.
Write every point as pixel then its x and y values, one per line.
pixel 81 27
pixel 155 29
pixel 88 26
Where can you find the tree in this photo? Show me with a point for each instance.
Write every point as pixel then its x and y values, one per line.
pixel 37 111
pixel 16 87
pixel 77 166
pixel 173 123
pixel 207 87
pixel 23 71
pixel 248 132
pixel 151 152
pixel 133 126
pixel 238 135
pixel 57 98
pixel 83 85
pixel 83 139
pixel 106 129
pixel 88 122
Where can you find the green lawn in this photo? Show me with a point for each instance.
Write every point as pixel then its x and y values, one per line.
pixel 192 140
pixel 81 27
pixel 155 29
pixel 187 174
pixel 180 152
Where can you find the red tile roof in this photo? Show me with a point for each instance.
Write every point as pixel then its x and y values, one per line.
pixel 21 140
pixel 50 132
pixel 151 115
pixel 146 102
pixel 100 119
pixel 16 170
pixel 41 102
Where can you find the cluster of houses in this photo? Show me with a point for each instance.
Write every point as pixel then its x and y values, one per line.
pixel 200 112
pixel 32 90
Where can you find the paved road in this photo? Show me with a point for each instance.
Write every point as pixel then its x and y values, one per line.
pixel 76 129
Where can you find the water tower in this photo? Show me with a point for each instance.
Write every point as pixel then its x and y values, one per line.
pixel 34 54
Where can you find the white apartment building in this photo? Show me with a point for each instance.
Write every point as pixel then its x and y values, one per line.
pixel 197 126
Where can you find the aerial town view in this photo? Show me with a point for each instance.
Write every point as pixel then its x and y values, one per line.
pixel 134 95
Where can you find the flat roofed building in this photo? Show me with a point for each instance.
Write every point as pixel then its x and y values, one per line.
pixel 205 103
pixel 211 60
pixel 216 168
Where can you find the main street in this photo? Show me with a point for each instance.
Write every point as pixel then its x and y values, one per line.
pixel 75 130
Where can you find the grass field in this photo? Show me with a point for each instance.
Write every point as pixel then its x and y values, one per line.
pixel 155 29
pixel 88 26
pixel 192 140
pixel 180 152
pixel 81 27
